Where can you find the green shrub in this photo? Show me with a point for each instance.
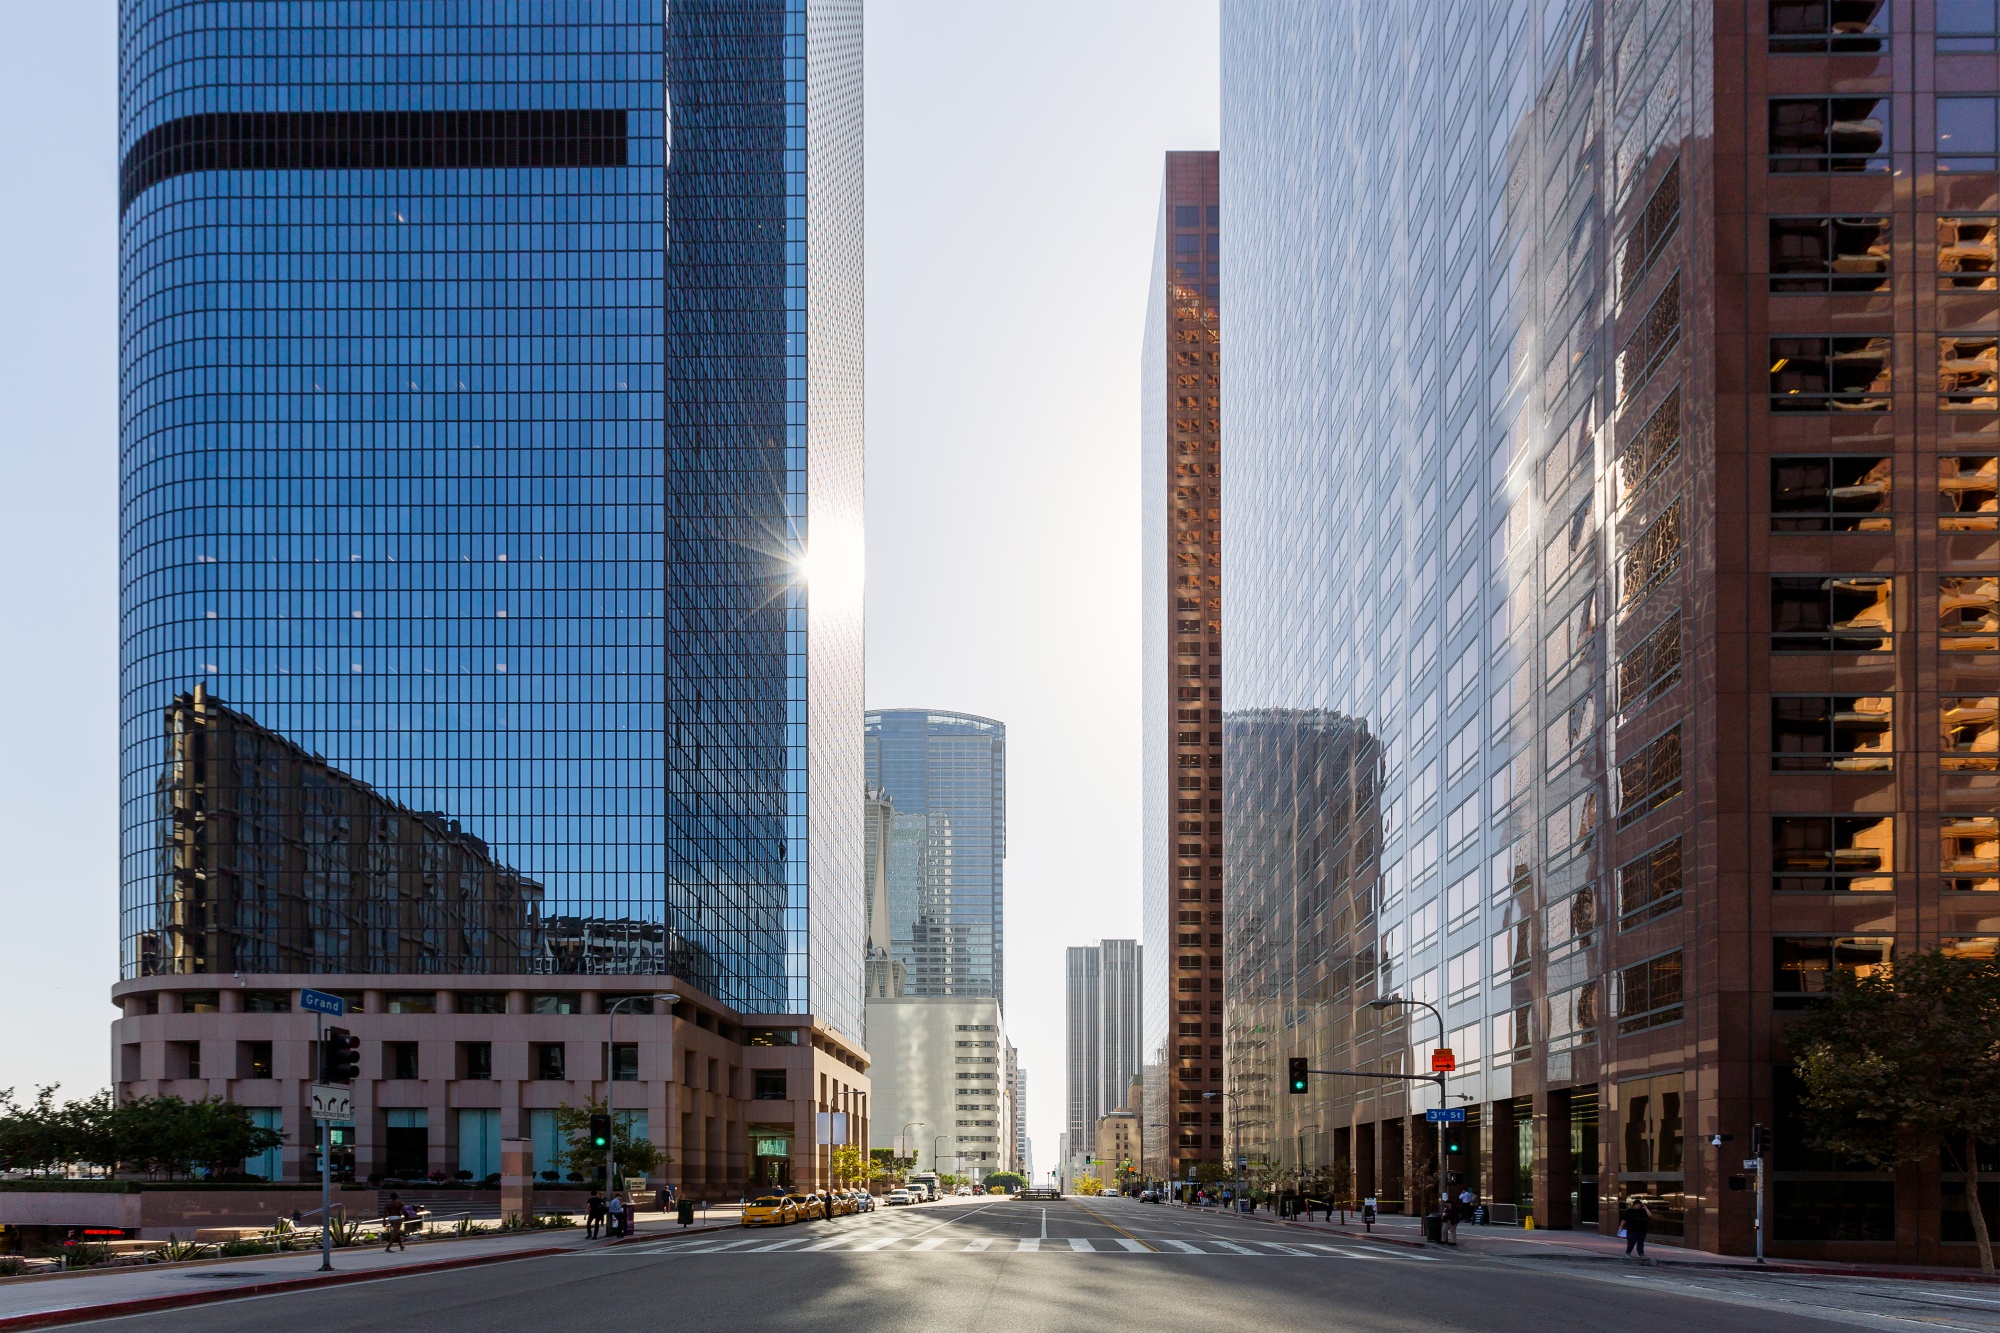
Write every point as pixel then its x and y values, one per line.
pixel 178 1251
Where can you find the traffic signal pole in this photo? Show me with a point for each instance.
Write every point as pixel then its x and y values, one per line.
pixel 325 1160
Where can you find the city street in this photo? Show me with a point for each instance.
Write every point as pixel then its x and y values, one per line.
pixel 1081 1264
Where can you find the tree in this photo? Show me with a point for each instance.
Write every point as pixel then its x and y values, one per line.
pixel 1903 1065
pixel 1007 1180
pixel 1086 1184
pixel 630 1155
pixel 1340 1184
pixel 167 1134
pixel 884 1165
pixel 845 1164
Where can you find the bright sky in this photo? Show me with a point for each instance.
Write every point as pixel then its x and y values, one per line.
pixel 1014 157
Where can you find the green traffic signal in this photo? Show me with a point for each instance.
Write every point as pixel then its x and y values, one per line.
pixel 1299 1073
pixel 600 1131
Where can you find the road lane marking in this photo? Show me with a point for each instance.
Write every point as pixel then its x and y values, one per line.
pixel 1094 1214
pixel 715 1249
pixel 1285 1249
pixel 1184 1247
pixel 881 1244
pixel 930 1244
pixel 1045 1224
pixel 1028 1243
pixel 767 1249
pixel 1081 1246
pixel 1232 1245
pixel 1135 1245
pixel 978 1246
pixel 826 1244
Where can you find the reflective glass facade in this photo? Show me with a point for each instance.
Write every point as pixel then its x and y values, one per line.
pixel 459 476
pixel 945 776
pixel 1600 532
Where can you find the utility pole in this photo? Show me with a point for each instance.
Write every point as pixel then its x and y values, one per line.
pixel 1387 1001
pixel 662 1000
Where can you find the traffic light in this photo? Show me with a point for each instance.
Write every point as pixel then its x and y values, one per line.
pixel 1451 1139
pixel 1760 1140
pixel 600 1132
pixel 339 1056
pixel 1299 1073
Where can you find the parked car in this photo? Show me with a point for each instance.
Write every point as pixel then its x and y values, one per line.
pixel 899 1195
pixel 809 1207
pixel 769 1210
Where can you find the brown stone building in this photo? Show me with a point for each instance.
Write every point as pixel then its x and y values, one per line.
pixel 1613 635
pixel 1181 565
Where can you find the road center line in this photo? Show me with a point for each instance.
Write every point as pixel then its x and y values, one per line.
pixel 1114 1226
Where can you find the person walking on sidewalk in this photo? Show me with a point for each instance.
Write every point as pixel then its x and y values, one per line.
pixel 593 1215
pixel 1637 1220
pixel 614 1211
pixel 392 1224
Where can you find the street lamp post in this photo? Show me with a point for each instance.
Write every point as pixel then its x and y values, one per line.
pixel 914 1124
pixel 1388 1001
pixel 660 1000
pixel 1235 1147
pixel 937 1158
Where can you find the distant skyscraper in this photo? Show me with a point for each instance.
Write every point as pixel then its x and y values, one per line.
pixel 885 972
pixel 490 511
pixel 945 774
pixel 1102 1031
pixel 1181 676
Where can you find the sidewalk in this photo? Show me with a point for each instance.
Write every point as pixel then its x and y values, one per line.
pixel 40 1302
pixel 1514 1243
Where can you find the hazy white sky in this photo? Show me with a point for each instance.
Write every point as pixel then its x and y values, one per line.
pixel 1014 156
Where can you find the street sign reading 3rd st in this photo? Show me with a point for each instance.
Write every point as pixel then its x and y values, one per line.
pixel 1450 1115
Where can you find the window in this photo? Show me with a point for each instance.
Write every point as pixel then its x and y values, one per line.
pixel 203 1002
pixel 1462 750
pixel 625 1062
pixel 1649 885
pixel 1573 1017
pixel 1833 853
pixel 1970 946
pixel 476 1059
pixel 549 1061
pixel 1965 134
pixel 1650 778
pixel 1462 824
pixel 1969 853
pixel 1651 667
pixel 1969 614
pixel 480 1002
pixel 1829 134
pixel 253 1059
pixel 1571 923
pixel 1966 256
pixel 1839 27
pixel 1567 644
pixel 1968 493
pixel 1187 215
pixel 1843 374
pixel 1570 732
pixel 1843 493
pixel 1830 254
pixel 1803 967
pixel 1968 372
pixel 1462 974
pixel 1838 614
pixel 1650 342
pixel 1513 1035
pixel 1651 448
pixel 552 1004
pixel 1965 25
pixel 1510 950
pixel 1650 232
pixel 1655 553
pixel 1648 995
pixel 1570 540
pixel 767 1085
pixel 1971 734
pixel 413 1002
pixel 1462 900
pixel 399 1059
pixel 1187 243
pixel 1820 733
pixel 1570 830
pixel 268 1002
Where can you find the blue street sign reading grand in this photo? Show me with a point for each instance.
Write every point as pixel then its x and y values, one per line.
pixel 319 1002
pixel 1450 1115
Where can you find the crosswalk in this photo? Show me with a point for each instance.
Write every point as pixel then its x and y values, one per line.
pixel 906 1243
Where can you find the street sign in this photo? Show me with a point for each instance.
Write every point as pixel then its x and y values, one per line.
pixel 332 1103
pixel 319 1002
pixel 1242 1162
pixel 1443 1061
pixel 1448 1115
pixel 1753 1164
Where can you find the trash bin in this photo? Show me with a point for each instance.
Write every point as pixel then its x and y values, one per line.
pixel 1434 1228
pixel 686 1217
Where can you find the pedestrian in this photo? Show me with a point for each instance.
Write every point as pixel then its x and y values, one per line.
pixel 593 1215
pixel 1451 1220
pixel 392 1225
pixel 614 1211
pixel 1637 1221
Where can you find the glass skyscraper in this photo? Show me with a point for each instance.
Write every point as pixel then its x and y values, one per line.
pixel 491 477
pixel 945 774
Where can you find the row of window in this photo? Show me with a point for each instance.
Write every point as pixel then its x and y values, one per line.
pixel 1861 27
pixel 1852 254
pixel 1854 373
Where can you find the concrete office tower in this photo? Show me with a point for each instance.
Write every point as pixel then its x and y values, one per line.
pixel 1181 669
pixel 1102 1030
pixel 481 550
pixel 1018 1097
pixel 946 775
pixel 939 1075
pixel 886 976
pixel 1610 573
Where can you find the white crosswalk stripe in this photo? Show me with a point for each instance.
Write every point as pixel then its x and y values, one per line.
pixel 1130 1244
pixel 1081 1246
pixel 897 1240
pixel 977 1246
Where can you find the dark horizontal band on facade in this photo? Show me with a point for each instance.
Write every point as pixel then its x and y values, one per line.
pixel 363 140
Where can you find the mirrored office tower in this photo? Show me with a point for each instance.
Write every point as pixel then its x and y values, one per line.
pixel 945 774
pixel 486 382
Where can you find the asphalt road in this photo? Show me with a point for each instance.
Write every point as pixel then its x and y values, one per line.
pixel 1077 1264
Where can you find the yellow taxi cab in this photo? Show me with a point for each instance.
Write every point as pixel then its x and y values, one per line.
pixel 770 1210
pixel 810 1207
pixel 843 1204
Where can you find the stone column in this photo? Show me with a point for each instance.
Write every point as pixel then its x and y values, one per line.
pixel 517 1179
